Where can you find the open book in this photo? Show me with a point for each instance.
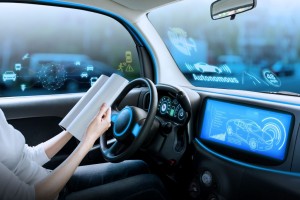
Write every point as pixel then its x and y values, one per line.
pixel 105 90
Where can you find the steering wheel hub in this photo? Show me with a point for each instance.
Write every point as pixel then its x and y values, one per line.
pixel 123 123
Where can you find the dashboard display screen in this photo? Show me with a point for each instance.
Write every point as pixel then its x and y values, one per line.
pixel 253 130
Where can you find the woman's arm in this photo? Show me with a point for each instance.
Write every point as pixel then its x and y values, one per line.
pixel 50 187
pixel 55 144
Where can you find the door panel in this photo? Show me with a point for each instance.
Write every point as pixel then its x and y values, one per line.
pixel 40 129
pixel 37 118
pixel 38 106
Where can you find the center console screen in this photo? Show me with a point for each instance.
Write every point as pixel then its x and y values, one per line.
pixel 253 130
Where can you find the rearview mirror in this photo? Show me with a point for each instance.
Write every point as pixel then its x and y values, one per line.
pixel 225 8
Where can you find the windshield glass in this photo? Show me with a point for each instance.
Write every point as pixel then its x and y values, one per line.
pixel 258 50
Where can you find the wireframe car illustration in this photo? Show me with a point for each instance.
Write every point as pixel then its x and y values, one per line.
pixel 251 133
pixel 9 76
pixel 206 68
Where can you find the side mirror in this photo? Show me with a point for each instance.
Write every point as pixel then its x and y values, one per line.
pixel 229 8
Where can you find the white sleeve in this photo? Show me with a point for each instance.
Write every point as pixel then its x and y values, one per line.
pixel 11 187
pixel 36 153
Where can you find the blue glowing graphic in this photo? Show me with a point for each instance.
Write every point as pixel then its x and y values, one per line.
pixel 9 76
pixel 93 80
pixel 258 131
pixel 181 41
pixel 84 75
pixel 271 78
pixel 136 129
pixel 18 66
pixel 203 68
pixel 52 76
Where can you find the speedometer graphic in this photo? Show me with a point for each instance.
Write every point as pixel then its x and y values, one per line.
pixel 164 105
pixel 179 112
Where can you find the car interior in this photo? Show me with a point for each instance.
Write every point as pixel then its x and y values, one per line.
pixel 213 87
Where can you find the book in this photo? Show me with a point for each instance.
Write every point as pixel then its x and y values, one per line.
pixel 105 90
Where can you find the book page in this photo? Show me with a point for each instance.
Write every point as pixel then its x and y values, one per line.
pixel 107 94
pixel 83 101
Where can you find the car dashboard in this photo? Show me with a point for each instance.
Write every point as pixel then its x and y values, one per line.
pixel 228 139
pixel 243 145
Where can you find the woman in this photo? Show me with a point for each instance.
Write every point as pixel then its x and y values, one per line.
pixel 23 177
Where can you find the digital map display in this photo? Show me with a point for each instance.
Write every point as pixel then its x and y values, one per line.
pixel 254 130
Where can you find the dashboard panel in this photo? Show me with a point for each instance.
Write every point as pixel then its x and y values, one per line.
pixel 246 118
pixel 245 145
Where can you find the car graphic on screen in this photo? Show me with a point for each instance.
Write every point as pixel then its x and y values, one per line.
pixel 9 76
pixel 206 68
pixel 90 68
pixel 249 132
pixel 18 66
pixel 93 80
pixel 84 75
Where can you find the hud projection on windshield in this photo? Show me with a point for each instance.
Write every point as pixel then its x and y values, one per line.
pixel 255 130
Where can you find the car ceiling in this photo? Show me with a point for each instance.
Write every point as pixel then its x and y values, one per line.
pixel 130 9
pixel 143 5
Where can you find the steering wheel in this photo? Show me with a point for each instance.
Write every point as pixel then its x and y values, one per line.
pixel 131 125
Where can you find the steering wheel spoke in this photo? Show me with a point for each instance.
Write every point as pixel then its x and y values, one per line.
pixel 115 149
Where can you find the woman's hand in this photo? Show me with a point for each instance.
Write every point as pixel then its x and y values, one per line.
pixel 99 125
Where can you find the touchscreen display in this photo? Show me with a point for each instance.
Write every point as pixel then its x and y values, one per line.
pixel 254 130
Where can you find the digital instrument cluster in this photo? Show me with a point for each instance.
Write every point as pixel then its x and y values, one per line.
pixel 170 108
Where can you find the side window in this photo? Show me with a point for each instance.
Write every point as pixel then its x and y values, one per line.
pixel 56 50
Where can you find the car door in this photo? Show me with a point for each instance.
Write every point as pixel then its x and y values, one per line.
pixel 57 53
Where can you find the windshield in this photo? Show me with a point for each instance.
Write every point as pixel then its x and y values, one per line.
pixel 258 50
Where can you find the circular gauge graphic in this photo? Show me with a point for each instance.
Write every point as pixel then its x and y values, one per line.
pixel 52 76
pixel 271 78
pixel 164 105
pixel 179 112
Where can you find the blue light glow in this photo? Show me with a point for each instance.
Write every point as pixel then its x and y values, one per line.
pixel 136 130
pixel 127 126
pixel 114 118
pixel 254 130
